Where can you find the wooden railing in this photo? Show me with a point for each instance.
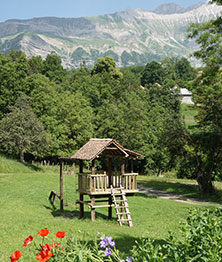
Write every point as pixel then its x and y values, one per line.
pixel 102 183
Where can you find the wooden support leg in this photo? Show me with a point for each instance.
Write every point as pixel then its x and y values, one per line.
pixel 93 210
pixel 110 208
pixel 81 197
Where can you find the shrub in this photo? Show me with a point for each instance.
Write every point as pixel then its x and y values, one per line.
pixel 201 240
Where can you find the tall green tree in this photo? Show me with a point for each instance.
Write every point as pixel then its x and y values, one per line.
pixel 66 116
pixel 152 74
pixel 21 131
pixel 53 69
pixel 14 68
pixel 207 90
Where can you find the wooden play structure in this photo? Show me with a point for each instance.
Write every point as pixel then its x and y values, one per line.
pixel 108 188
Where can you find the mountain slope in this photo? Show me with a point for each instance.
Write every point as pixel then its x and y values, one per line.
pixel 130 37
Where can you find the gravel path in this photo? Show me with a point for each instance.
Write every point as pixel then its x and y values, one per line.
pixel 170 196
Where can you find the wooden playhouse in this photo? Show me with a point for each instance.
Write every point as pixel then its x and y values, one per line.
pixel 105 189
pixel 106 186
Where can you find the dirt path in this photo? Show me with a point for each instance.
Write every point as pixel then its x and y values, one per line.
pixel 178 198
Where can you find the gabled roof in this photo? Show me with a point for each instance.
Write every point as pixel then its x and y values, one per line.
pixel 104 147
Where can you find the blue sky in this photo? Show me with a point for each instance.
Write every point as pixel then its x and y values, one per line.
pixel 24 9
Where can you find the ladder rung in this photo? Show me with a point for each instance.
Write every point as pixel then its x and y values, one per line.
pixel 122 200
pixel 123 213
pixel 118 206
pixel 124 220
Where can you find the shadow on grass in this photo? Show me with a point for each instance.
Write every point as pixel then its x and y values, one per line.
pixel 75 213
pixel 145 195
pixel 188 190
pixel 32 167
pixel 126 242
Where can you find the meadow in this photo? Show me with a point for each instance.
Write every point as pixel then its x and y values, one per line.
pixel 25 208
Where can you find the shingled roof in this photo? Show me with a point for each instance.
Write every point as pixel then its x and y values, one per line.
pixel 103 147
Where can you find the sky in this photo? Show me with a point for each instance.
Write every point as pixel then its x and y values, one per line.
pixel 25 9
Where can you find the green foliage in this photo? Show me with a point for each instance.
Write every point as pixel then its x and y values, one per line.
pixel 200 241
pixel 68 118
pixel 152 74
pixel 53 69
pixel 209 38
pixel 21 132
pixel 219 2
pixel 204 144
pixel 106 65
pixel 13 69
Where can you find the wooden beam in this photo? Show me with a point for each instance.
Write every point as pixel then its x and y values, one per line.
pixel 81 206
pixel 110 207
pixel 93 167
pixel 131 160
pixel 123 166
pixel 61 185
pixel 110 170
pixel 93 211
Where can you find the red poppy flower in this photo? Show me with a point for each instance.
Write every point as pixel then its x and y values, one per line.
pixel 43 232
pixel 28 241
pixel 15 256
pixel 45 253
pixel 60 234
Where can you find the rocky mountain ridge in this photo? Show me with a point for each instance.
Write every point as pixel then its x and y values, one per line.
pixel 131 37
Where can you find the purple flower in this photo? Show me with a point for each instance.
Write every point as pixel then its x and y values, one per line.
pixel 110 241
pixel 129 259
pixel 107 252
pixel 103 243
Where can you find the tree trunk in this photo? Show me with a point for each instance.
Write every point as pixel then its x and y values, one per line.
pixel 159 172
pixel 21 155
pixel 205 183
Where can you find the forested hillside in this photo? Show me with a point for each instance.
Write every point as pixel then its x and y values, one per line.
pixel 46 110
pixel 51 111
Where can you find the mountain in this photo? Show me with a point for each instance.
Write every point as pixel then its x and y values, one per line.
pixel 172 8
pixel 131 37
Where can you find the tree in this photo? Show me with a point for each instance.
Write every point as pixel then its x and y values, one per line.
pixel 106 65
pixel 207 89
pixel 152 74
pixel 14 68
pixel 66 116
pixel 21 131
pixel 53 69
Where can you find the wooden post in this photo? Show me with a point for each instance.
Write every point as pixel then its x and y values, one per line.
pixel 110 207
pixel 80 166
pixel 123 172
pixel 61 186
pixel 131 165
pixel 110 171
pixel 81 205
pixel 93 167
pixel 93 210
pixel 123 166
pixel 110 184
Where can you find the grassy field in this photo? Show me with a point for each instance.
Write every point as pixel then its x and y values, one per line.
pixel 188 114
pixel 24 209
pixel 186 187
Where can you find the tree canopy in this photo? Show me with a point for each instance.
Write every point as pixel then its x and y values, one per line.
pixel 21 131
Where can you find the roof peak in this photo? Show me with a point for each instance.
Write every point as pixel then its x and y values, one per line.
pixel 104 139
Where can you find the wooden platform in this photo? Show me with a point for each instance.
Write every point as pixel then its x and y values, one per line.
pixel 100 184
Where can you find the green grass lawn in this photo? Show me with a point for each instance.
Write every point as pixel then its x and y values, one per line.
pixel 186 187
pixel 188 113
pixel 24 209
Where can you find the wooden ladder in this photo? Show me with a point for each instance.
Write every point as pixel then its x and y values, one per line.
pixel 121 206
